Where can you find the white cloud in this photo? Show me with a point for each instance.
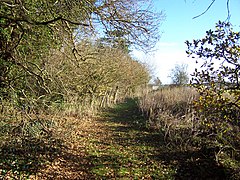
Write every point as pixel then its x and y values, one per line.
pixel 165 58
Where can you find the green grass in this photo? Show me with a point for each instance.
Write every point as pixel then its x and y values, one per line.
pixel 128 151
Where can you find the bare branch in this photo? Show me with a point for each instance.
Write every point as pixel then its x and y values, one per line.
pixel 44 22
pixel 205 10
pixel 228 10
pixel 213 1
pixel 9 5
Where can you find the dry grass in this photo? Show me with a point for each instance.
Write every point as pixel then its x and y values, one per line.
pixel 169 110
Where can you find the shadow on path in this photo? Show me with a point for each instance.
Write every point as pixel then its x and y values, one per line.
pixel 129 125
pixel 129 129
pixel 23 156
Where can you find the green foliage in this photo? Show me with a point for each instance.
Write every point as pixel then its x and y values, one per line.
pixel 218 84
pixel 24 45
pixel 220 53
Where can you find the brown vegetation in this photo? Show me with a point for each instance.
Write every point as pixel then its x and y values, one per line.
pixel 169 110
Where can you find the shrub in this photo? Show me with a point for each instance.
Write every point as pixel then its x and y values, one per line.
pixel 218 106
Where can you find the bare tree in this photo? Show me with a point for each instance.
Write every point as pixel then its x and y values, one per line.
pixel 179 74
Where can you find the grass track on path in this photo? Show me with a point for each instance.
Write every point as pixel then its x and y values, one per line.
pixel 130 151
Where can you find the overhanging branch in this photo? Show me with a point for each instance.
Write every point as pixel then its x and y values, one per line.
pixel 213 1
pixel 205 10
pixel 43 22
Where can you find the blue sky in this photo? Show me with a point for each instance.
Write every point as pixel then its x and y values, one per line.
pixel 180 26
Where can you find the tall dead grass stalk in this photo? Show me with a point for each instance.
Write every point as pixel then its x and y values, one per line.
pixel 169 111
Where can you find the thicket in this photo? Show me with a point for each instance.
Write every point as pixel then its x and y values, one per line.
pixel 49 63
pixel 45 58
pixel 48 59
pixel 97 77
